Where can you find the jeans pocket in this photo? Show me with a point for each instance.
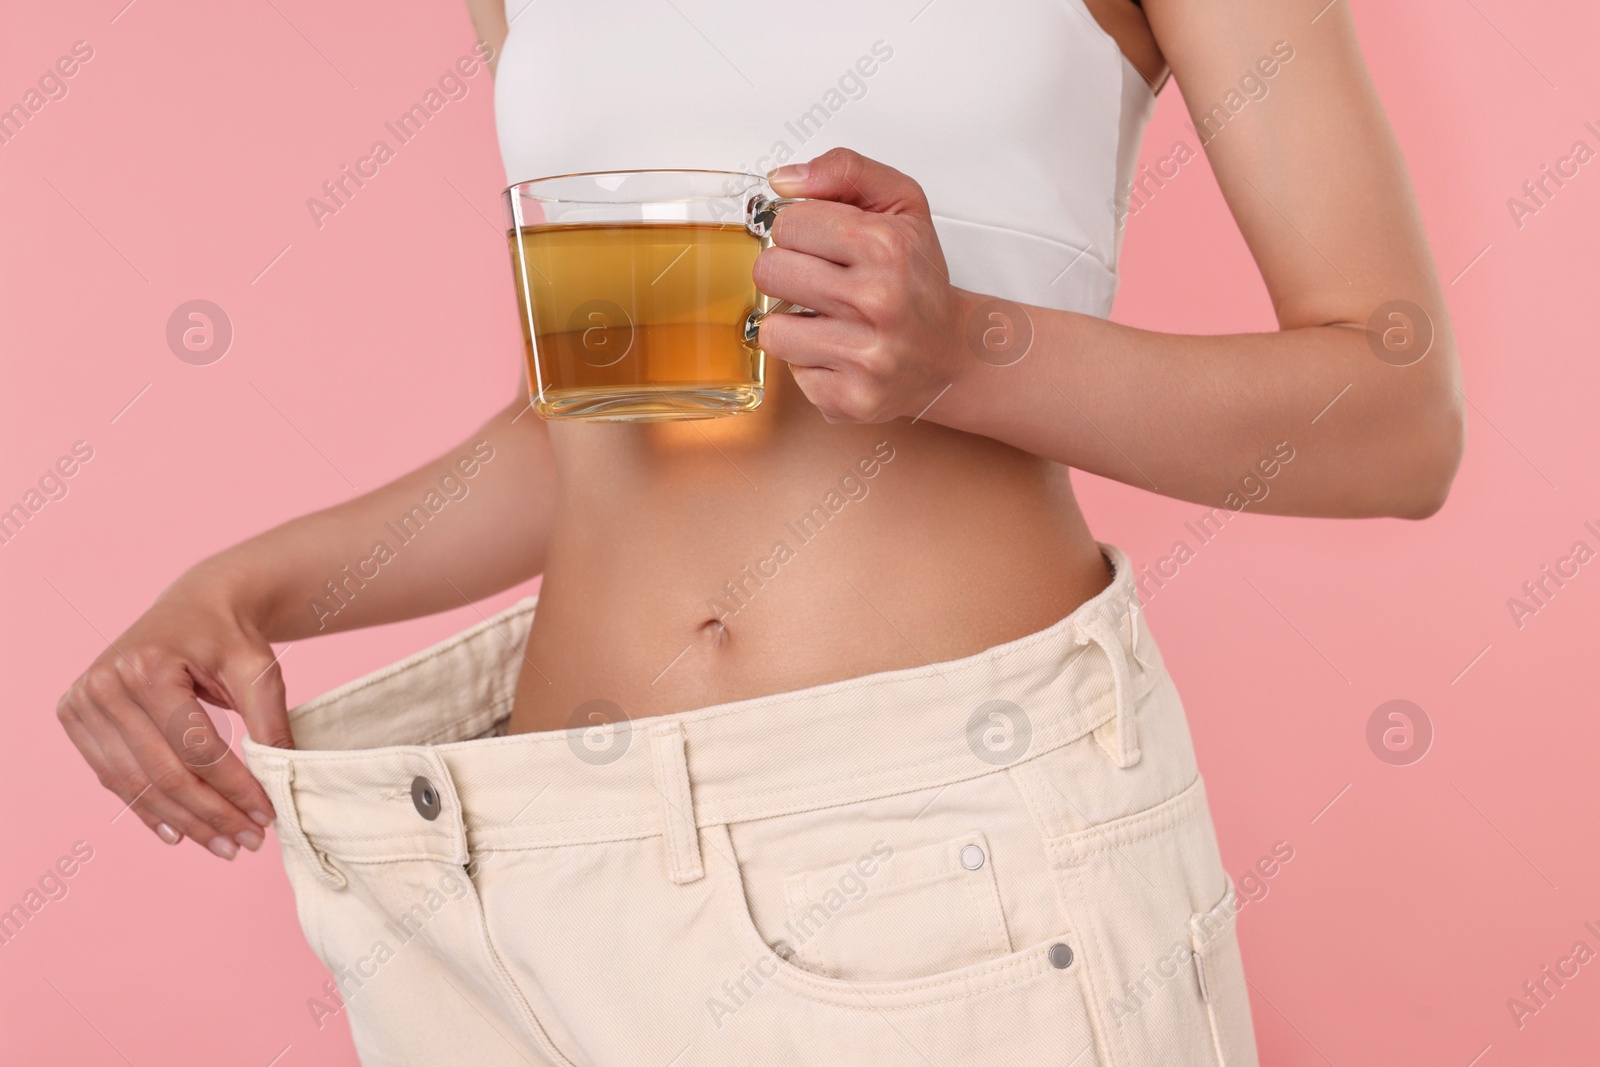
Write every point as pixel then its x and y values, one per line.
pixel 903 913
pixel 1219 974
pixel 902 902
pixel 1025 1005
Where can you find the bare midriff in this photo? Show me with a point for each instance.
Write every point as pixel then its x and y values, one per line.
pixel 696 563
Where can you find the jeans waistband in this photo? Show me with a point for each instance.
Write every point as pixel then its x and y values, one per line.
pixel 403 764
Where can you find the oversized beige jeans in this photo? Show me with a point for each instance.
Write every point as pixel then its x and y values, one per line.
pixel 1001 859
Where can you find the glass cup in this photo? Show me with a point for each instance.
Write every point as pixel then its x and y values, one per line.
pixel 635 291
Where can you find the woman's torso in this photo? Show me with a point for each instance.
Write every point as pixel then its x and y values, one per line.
pixel 697 563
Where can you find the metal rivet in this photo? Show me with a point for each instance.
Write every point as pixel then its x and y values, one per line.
pixel 1060 956
pixel 783 949
pixel 971 857
pixel 426 798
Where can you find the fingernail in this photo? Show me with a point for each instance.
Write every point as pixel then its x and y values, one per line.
pixel 249 839
pixel 223 847
pixel 792 172
pixel 261 818
pixel 168 834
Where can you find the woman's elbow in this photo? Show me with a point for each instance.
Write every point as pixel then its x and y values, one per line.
pixel 1437 440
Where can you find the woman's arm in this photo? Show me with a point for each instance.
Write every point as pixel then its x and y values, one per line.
pixel 489 20
pixel 472 522
pixel 1316 182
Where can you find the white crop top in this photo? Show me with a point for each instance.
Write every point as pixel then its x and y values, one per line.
pixel 1021 119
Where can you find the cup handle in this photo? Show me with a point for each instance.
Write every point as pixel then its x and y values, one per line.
pixel 760 212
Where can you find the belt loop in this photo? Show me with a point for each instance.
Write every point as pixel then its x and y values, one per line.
pixel 279 785
pixel 679 834
pixel 1125 603
pixel 1135 624
pixel 1124 746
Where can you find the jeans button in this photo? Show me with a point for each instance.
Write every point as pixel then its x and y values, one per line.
pixel 1060 956
pixel 426 798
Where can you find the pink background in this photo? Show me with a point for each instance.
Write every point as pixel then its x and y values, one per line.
pixel 1419 897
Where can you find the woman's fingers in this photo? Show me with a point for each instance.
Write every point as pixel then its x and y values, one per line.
pixel 89 748
pixel 136 716
pixel 849 177
pixel 839 233
pixel 181 783
pixel 191 732
pixel 102 744
pixel 253 684
pixel 134 711
pixel 803 279
pixel 836 362
pixel 812 340
pixel 166 818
